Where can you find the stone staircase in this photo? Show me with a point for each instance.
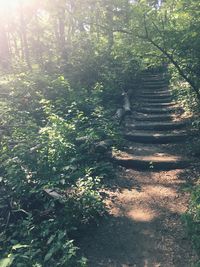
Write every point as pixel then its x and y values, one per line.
pixel 153 129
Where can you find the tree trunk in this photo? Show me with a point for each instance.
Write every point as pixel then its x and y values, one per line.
pixel 61 25
pixel 24 38
pixel 127 105
pixel 109 16
pixel 4 49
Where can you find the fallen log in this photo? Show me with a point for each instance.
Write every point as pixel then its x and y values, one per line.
pixel 127 105
pixel 119 115
pixel 54 194
pixel 125 109
pixel 98 146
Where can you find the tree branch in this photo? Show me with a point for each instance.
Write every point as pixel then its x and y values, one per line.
pixel 175 63
pixel 172 60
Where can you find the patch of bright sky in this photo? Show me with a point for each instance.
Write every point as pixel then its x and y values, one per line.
pixel 5 4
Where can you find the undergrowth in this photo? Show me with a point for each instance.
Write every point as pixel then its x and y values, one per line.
pixel 187 98
pixel 54 157
pixel 192 219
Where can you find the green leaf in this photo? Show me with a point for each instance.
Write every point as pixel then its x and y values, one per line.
pixel 6 262
pixel 50 239
pixel 48 255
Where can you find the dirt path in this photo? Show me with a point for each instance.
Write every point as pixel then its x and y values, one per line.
pixel 144 228
pixel 146 203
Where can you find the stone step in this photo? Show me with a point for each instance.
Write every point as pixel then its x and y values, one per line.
pixel 155 138
pixel 156 126
pixel 155 97
pixel 153 122
pixel 154 77
pixel 158 91
pixel 150 97
pixel 155 83
pixel 157 105
pixel 151 76
pixel 150 163
pixel 154 86
pixel 147 110
pixel 154 117
pixel 154 80
pixel 149 94
pixel 155 101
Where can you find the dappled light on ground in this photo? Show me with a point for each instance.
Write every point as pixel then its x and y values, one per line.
pixel 145 228
pixel 141 215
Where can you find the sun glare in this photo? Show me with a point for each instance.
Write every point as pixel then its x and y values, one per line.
pixel 5 4
pixel 9 4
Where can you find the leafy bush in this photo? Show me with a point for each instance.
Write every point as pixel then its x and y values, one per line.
pixel 183 92
pixel 192 219
pixel 52 165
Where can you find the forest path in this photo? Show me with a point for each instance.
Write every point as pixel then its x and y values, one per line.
pixel 146 201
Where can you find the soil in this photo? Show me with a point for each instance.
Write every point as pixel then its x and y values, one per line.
pixel 144 227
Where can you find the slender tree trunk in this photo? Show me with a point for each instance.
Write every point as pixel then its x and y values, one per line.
pixel 4 48
pixel 109 16
pixel 39 50
pixel 24 40
pixel 61 25
pixel 15 46
pixel 57 43
pixel 22 47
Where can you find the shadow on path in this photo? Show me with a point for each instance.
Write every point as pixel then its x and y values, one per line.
pixel 144 228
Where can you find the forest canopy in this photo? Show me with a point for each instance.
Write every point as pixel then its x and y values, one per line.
pixel 41 34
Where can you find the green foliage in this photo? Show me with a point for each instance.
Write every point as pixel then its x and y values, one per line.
pixel 183 93
pixel 51 143
pixel 192 219
pixel 44 231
